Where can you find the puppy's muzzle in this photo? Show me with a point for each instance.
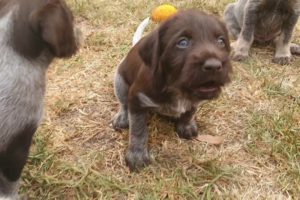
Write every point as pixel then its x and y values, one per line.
pixel 214 75
pixel 212 65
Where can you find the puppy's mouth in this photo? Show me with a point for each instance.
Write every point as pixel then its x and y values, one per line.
pixel 207 90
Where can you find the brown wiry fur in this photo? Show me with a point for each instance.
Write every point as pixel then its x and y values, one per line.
pixel 159 75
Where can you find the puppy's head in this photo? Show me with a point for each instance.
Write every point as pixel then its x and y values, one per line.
pixel 54 22
pixel 44 24
pixel 189 53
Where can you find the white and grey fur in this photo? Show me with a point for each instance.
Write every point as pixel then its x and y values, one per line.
pixel 242 19
pixel 22 82
pixel 22 89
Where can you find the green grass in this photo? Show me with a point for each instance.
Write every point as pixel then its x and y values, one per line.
pixel 77 155
pixel 276 136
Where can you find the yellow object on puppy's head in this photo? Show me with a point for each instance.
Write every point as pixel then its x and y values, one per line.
pixel 163 12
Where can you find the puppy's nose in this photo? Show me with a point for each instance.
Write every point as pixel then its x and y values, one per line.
pixel 212 64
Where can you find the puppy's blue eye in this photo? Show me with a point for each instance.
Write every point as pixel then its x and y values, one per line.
pixel 183 43
pixel 221 42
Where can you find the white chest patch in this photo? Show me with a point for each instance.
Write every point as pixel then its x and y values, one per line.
pixel 174 109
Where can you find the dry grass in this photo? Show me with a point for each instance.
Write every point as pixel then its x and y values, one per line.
pixel 77 155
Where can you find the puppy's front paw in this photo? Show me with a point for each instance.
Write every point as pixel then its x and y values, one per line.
pixel 120 121
pixel 282 60
pixel 239 56
pixel 187 131
pixel 137 158
pixel 295 49
pixel 240 50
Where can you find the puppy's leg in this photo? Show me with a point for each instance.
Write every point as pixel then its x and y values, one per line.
pixel 137 155
pixel 295 49
pixel 283 42
pixel 283 51
pixel 8 189
pixel 120 120
pixel 246 37
pixel 12 160
pixel 186 126
pixel 231 21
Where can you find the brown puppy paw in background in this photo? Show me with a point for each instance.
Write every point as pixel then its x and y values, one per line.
pixel 32 34
pixel 182 62
pixel 263 21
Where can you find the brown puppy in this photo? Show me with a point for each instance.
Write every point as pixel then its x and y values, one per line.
pixel 184 61
pixel 32 34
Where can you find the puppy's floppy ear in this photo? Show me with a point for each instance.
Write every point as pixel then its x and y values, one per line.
pixel 151 47
pixel 54 22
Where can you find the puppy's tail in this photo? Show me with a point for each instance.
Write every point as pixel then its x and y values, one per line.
pixel 140 31
pixel 158 15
